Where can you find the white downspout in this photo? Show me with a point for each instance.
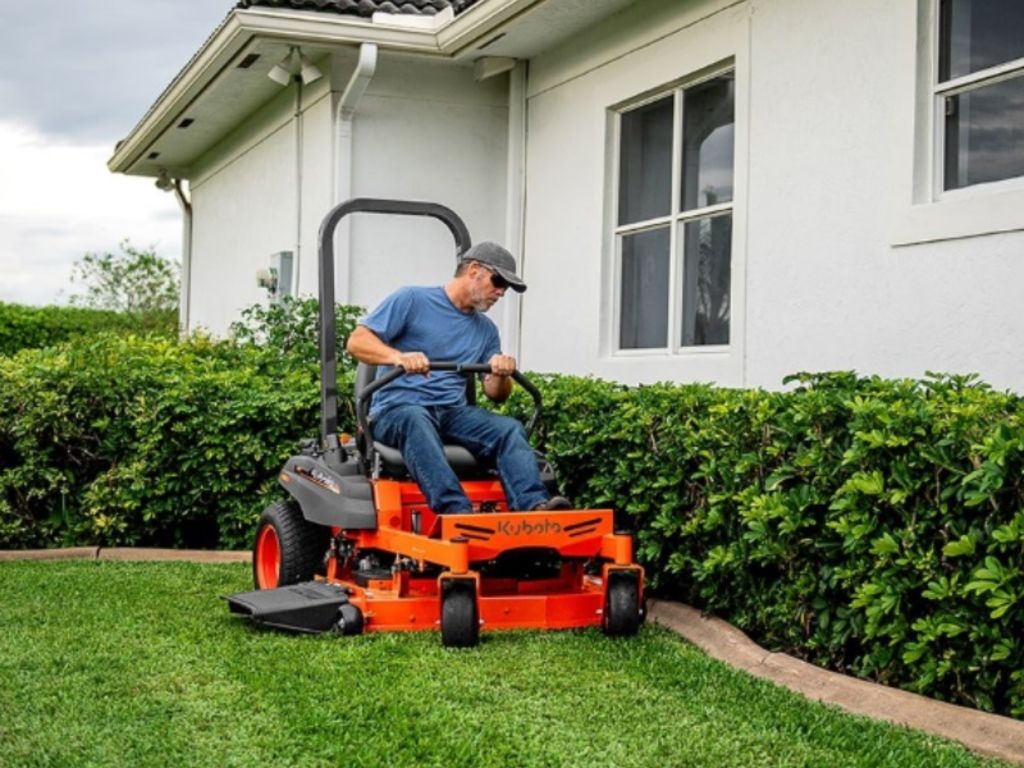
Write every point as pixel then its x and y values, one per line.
pixel 165 183
pixel 186 259
pixel 515 202
pixel 366 66
pixel 298 182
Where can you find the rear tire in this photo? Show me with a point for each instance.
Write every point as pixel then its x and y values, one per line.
pixel 622 605
pixel 288 548
pixel 460 622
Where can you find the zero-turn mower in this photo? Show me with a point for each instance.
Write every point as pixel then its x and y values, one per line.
pixel 355 547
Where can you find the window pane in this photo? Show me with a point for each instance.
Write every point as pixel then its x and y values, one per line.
pixel 978 34
pixel 645 162
pixel 708 119
pixel 707 257
pixel 644 298
pixel 985 134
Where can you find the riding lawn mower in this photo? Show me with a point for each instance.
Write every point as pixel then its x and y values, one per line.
pixel 355 547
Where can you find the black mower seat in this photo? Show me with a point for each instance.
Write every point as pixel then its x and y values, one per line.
pixel 460 459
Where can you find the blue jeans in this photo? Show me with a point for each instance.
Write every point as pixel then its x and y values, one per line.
pixel 420 433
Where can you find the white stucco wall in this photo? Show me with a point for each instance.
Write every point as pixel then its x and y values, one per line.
pixel 426 132
pixel 422 131
pixel 823 277
pixel 245 206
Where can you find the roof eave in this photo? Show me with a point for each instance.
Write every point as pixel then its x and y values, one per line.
pixel 299 27
pixel 232 37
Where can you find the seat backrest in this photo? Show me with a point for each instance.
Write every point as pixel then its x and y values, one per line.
pixel 365 373
pixel 461 460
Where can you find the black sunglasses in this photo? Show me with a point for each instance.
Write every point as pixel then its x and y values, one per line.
pixel 498 281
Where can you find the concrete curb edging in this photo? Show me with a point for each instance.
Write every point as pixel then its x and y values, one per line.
pixel 985 733
pixel 126 554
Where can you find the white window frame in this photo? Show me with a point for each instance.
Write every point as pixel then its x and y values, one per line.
pixel 964 84
pixel 674 220
pixel 930 213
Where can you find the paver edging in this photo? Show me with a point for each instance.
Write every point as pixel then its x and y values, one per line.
pixel 982 732
pixel 125 554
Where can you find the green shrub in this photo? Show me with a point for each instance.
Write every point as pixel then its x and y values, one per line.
pixel 24 327
pixel 291 327
pixel 122 440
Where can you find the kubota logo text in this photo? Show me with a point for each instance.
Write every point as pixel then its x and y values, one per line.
pixel 528 527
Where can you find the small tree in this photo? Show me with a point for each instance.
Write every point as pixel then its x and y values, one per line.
pixel 136 282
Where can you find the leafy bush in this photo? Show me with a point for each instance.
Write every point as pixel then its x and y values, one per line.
pixel 136 282
pixel 24 327
pixel 136 441
pixel 292 328
pixel 122 440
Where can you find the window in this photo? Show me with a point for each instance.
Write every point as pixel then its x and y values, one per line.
pixel 980 91
pixel 673 230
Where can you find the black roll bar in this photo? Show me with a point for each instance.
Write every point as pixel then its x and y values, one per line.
pixel 328 323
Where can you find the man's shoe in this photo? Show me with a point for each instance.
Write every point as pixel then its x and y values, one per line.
pixel 555 502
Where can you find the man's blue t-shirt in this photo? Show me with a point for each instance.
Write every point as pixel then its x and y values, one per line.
pixel 423 319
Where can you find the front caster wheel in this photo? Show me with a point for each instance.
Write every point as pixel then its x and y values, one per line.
pixel 350 620
pixel 622 605
pixel 460 621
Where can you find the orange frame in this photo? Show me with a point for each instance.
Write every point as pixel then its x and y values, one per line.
pixel 410 601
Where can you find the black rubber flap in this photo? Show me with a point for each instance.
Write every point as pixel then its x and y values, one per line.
pixel 308 607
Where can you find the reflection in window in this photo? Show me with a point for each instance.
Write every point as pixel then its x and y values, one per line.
pixel 645 162
pixel 707 245
pixel 708 118
pixel 644 299
pixel 978 34
pixel 985 134
pixel 981 50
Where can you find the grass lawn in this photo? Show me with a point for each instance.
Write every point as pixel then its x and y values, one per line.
pixel 105 663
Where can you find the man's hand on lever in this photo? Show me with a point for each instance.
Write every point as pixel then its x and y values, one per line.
pixel 502 365
pixel 498 383
pixel 413 362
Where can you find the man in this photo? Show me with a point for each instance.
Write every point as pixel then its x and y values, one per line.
pixel 420 412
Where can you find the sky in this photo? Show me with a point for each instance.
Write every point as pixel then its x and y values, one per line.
pixel 75 78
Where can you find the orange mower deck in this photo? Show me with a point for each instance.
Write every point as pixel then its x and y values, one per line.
pixel 409 601
pixel 411 597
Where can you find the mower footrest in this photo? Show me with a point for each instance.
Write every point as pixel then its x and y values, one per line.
pixel 312 606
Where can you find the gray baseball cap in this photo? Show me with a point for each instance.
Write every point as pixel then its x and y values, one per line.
pixel 493 256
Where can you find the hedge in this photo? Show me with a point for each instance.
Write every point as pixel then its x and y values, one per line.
pixel 23 327
pixel 872 526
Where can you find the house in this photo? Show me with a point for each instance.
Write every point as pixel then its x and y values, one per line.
pixel 698 190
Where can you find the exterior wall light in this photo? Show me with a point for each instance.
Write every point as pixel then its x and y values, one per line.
pixel 294 64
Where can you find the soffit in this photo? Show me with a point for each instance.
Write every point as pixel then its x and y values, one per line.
pixel 214 94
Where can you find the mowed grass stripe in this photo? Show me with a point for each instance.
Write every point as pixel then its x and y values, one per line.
pixel 106 663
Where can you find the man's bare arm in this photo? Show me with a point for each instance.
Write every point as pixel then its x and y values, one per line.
pixel 366 346
pixel 498 383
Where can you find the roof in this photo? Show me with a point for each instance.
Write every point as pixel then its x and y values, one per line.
pixel 364 8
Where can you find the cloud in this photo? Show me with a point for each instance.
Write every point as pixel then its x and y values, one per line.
pixel 89 72
pixel 57 201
